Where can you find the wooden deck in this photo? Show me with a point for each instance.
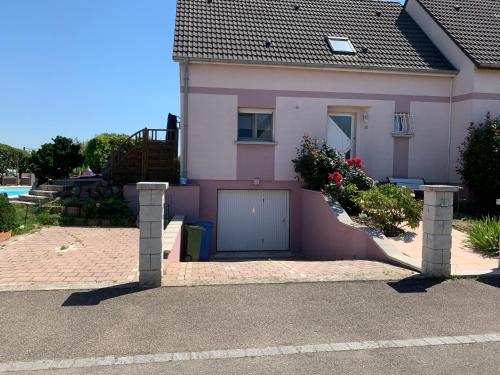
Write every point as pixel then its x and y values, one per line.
pixel 152 155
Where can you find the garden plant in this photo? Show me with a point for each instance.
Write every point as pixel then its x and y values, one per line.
pixel 322 168
pixel 390 207
pixel 8 216
pixel 98 150
pixel 480 163
pixel 485 234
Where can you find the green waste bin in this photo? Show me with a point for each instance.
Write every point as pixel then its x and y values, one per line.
pixel 194 239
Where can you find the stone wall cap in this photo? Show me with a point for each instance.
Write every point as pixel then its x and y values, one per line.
pixel 151 186
pixel 440 188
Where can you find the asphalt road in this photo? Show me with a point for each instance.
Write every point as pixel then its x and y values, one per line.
pixel 66 325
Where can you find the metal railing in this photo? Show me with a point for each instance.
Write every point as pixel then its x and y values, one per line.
pixel 404 124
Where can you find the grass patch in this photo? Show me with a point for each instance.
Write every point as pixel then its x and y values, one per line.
pixel 33 218
pixel 484 235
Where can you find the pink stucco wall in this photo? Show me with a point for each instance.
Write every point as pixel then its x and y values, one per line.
pixel 179 200
pixel 209 199
pixel 175 254
pixel 302 100
pixel 255 161
pixel 324 237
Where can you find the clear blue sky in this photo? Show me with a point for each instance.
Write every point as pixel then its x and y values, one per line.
pixel 81 67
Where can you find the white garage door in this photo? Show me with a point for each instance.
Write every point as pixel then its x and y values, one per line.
pixel 253 220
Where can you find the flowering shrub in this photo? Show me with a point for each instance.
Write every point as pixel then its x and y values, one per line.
pixel 480 162
pixel 323 168
pixel 314 162
pixel 357 162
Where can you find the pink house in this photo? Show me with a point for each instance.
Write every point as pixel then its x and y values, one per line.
pixel 394 85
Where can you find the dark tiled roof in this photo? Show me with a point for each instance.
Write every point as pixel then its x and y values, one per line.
pixel 237 30
pixel 473 24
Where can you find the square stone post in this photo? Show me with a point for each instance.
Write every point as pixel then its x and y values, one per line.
pixel 438 219
pixel 498 204
pixel 151 203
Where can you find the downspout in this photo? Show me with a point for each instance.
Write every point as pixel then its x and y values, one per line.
pixel 184 130
pixel 450 124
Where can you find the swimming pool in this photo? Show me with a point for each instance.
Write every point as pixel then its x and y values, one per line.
pixel 14 191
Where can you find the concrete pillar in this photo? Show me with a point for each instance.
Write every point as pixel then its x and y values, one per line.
pixel 498 204
pixel 438 217
pixel 151 203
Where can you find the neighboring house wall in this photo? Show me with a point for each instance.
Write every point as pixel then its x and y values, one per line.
pixel 475 91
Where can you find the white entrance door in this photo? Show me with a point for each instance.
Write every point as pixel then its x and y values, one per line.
pixel 341 133
pixel 253 220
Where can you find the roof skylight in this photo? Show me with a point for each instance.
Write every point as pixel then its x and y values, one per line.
pixel 341 45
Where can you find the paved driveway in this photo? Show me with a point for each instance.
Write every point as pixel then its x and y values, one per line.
pixel 81 258
pixel 70 257
pixel 464 260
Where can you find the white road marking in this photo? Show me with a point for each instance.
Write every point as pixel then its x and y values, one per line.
pixel 242 353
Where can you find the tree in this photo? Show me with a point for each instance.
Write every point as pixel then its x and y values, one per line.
pixel 479 163
pixel 98 150
pixel 56 159
pixel 13 158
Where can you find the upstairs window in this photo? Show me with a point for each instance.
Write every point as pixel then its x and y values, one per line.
pixel 255 126
pixel 341 45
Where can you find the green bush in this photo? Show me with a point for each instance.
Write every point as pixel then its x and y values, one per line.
pixel 72 202
pixel 45 217
pixel 114 207
pixel 485 234
pixel 390 207
pixel 98 150
pixel 8 215
pixel 90 208
pixel 56 159
pixel 480 163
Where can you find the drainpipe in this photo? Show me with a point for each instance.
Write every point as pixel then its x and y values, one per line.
pixel 184 123
pixel 450 124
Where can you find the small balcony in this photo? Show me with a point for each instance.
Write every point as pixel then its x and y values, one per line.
pixel 404 125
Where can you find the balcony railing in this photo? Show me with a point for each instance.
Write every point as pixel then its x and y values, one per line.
pixel 404 125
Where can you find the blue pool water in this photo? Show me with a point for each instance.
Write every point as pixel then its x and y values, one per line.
pixel 14 191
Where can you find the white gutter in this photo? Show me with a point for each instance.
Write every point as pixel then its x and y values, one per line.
pixel 184 122
pixel 450 125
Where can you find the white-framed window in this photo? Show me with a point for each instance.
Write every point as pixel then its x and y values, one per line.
pixel 341 45
pixel 404 123
pixel 255 125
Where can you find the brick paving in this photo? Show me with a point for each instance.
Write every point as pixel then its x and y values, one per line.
pixel 70 257
pixel 279 271
pixel 85 258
